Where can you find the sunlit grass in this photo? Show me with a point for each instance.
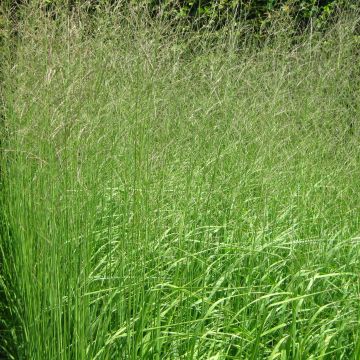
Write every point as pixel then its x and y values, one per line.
pixel 170 197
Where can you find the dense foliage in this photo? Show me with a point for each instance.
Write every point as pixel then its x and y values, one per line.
pixel 169 194
pixel 218 12
pixel 260 11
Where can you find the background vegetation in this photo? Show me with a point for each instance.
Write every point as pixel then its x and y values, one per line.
pixel 173 188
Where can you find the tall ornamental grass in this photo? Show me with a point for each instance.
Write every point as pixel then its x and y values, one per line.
pixel 176 194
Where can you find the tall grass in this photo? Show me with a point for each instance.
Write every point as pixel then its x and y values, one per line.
pixel 173 195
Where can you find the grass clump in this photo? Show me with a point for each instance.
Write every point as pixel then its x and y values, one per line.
pixel 171 195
